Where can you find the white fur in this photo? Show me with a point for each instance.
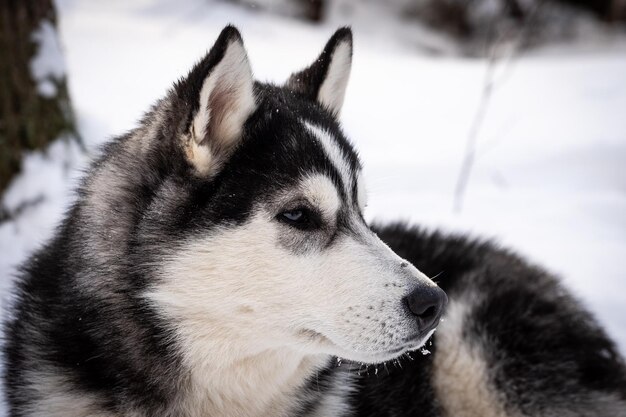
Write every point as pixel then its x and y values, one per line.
pixel 333 89
pixel 334 153
pixel 255 319
pixel 321 191
pixel 56 398
pixel 460 374
pixel 361 191
pixel 225 102
pixel 336 401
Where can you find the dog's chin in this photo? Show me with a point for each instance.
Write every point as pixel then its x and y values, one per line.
pixel 326 345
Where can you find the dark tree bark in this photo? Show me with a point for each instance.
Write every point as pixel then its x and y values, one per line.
pixel 28 119
pixel 313 10
pixel 310 10
pixel 609 10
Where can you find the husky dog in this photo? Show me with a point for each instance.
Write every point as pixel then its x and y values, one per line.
pixel 217 263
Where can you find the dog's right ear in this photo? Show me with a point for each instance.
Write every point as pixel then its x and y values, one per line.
pixel 219 90
pixel 325 80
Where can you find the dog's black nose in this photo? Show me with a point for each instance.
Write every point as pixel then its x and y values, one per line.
pixel 426 304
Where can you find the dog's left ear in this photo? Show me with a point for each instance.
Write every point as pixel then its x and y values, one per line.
pixel 219 90
pixel 327 78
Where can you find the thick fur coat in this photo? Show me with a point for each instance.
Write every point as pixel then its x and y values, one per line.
pixel 216 263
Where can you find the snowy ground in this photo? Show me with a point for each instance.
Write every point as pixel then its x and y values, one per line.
pixel 550 173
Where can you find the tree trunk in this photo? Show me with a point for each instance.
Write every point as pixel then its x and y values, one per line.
pixel 34 102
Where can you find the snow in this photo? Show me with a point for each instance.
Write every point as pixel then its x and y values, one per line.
pixel 549 178
pixel 47 182
pixel 48 64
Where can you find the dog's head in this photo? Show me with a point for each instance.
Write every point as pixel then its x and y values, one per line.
pixel 256 228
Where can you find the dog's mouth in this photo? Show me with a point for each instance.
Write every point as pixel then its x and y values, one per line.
pixel 314 336
pixel 410 343
pixel 413 343
pixel 419 341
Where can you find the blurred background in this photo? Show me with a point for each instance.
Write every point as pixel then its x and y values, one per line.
pixel 503 119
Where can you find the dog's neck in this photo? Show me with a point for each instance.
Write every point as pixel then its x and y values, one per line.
pixel 263 384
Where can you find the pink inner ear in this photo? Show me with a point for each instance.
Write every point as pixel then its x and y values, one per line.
pixel 231 102
pixel 228 98
pixel 222 102
pixel 225 102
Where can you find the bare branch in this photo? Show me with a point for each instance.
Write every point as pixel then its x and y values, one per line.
pixel 490 83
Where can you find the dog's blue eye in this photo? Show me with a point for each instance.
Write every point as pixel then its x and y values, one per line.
pixel 294 215
pixel 300 218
